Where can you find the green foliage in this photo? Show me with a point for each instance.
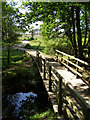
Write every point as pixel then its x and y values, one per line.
pixel 47 114
pixel 10 31
pixel 28 46
pixel 22 78
pixel 49 46
pixel 29 38
pixel 17 57
pixel 59 15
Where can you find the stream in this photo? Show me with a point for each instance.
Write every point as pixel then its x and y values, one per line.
pixel 20 106
pixel 23 93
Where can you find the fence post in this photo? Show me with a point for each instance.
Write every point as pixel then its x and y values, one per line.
pixel 61 58
pixel 68 62
pixel 44 71
pixel 77 68
pixel 40 63
pixel 50 78
pixel 60 97
pixel 57 57
pixel 37 57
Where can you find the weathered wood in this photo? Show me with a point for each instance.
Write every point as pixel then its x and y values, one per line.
pixel 56 78
pixel 72 57
pixel 44 71
pixel 82 102
pixel 74 71
pixel 76 65
pixel 56 57
pixel 77 96
pixel 40 63
pixel 37 55
pixel 74 107
pixel 69 114
pixel 60 103
pixel 77 68
pixel 53 72
pixel 50 83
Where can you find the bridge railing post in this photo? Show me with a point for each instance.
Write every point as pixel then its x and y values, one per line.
pixel 44 70
pixel 37 55
pixel 68 62
pixel 77 63
pixel 60 103
pixel 40 63
pixel 56 56
pixel 50 79
pixel 61 58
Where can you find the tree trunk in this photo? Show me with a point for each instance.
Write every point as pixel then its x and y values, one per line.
pixel 73 23
pixel 68 29
pixel 79 39
pixel 8 57
pixel 86 28
pixel 89 45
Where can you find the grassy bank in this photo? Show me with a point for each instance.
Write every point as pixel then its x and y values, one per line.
pixel 16 58
pixel 49 46
pixel 23 76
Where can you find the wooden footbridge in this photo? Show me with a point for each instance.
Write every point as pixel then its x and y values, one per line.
pixel 67 82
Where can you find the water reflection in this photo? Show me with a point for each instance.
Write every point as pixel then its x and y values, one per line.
pixel 18 103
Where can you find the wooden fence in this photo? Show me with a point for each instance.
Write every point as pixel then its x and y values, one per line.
pixel 76 65
pixel 74 105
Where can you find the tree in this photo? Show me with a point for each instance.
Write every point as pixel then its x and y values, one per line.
pixel 74 38
pixel 72 17
pixel 79 39
pixel 10 31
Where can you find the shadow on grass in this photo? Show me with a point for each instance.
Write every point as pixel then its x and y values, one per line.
pixel 24 78
pixel 16 58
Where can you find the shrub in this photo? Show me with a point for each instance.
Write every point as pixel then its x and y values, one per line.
pixel 28 46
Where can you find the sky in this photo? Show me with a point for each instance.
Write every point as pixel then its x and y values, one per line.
pixel 19 2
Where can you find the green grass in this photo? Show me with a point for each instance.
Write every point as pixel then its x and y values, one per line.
pixel 24 76
pixel 49 46
pixel 35 43
pixel 48 114
pixel 16 58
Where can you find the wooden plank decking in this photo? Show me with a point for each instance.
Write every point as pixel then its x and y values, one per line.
pixel 69 77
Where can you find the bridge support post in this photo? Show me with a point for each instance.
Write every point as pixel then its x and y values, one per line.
pixel 77 63
pixel 68 62
pixel 61 58
pixel 60 97
pixel 57 57
pixel 37 54
pixel 50 79
pixel 44 71
pixel 40 62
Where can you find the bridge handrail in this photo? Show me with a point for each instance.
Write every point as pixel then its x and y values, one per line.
pixel 59 78
pixel 77 59
pixel 74 92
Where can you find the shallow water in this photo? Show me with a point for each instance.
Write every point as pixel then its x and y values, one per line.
pixel 17 102
pixel 20 106
pixel 23 96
